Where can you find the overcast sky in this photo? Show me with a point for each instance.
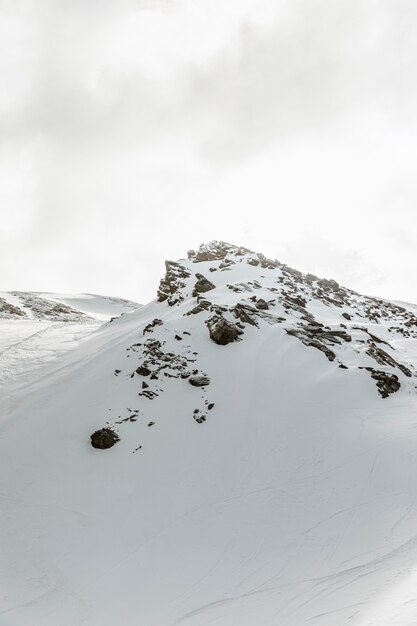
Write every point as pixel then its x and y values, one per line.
pixel 133 130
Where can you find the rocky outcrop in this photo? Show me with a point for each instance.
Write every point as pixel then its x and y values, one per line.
pixel 202 285
pixel 386 383
pixel 246 314
pixel 150 327
pixel 221 331
pixel 383 358
pixel 172 283
pixel 320 337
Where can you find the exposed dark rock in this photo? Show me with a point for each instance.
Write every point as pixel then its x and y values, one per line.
pixel 178 338
pixel 148 394
pixel 221 331
pixel 202 285
pixel 309 340
pixel 298 301
pixel 104 438
pixel 245 314
pixel 151 423
pixel 210 406
pixel 203 305
pixel 262 305
pixel 149 328
pixel 386 383
pixel 383 358
pixel 215 251
pixel 199 381
pixel 377 339
pixel 172 282
pixel 143 370
pixel 346 316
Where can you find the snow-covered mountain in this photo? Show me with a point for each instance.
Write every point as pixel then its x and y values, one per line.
pixel 262 468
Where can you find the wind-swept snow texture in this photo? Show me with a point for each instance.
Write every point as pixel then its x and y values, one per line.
pixel 278 489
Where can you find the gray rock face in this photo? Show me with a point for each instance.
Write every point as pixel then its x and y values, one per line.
pixel 262 305
pixel 215 251
pixel 202 285
pixel 199 381
pixel 172 283
pixel 104 438
pixel 386 383
pixel 221 331
pixel 383 358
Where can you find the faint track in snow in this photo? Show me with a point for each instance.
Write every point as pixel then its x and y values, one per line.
pixel 24 361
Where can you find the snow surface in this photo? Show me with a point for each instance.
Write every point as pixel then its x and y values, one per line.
pixel 36 334
pixel 294 502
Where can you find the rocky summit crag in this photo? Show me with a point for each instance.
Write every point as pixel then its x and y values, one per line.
pixel 339 322
pixel 233 293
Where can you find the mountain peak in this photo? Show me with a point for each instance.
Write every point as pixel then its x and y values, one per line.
pixel 233 286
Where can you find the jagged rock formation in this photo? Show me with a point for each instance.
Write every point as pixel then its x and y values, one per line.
pixel 221 331
pixel 202 285
pixel 172 283
pixel 347 328
pixel 286 296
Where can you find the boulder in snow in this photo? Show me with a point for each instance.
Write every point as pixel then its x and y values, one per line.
pixel 104 438
pixel 199 381
pixel 221 331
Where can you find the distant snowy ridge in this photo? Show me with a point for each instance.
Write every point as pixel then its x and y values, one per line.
pixel 37 328
pixel 61 307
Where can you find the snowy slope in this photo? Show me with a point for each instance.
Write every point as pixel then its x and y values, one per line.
pixel 292 500
pixel 36 328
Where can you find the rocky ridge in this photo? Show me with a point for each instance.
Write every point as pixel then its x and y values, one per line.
pixel 228 293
